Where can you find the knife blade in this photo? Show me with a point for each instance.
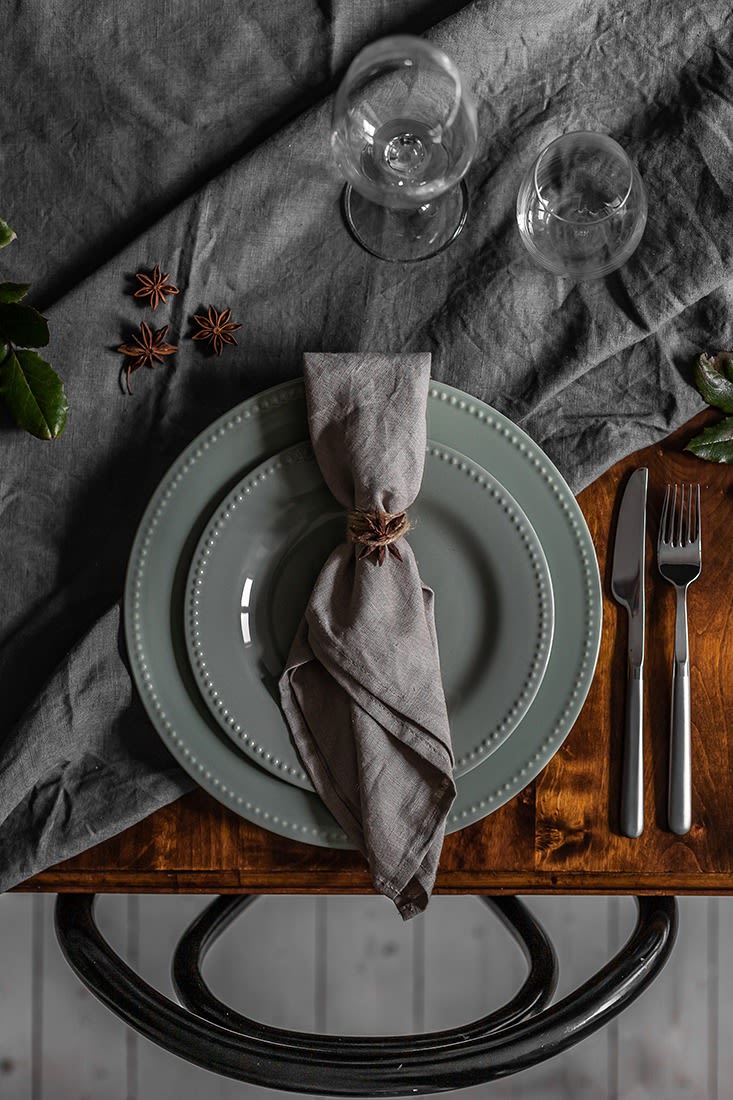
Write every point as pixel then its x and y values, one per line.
pixel 627 585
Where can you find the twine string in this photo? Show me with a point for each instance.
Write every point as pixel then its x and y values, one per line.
pixel 377 531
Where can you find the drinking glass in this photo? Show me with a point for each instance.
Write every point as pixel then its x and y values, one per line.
pixel 582 206
pixel 403 134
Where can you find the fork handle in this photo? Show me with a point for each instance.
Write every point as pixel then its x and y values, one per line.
pixel 632 781
pixel 679 808
pixel 679 799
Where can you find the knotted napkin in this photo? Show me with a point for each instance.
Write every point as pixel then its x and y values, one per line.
pixel 362 690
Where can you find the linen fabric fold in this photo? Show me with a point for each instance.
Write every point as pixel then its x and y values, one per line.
pixel 362 689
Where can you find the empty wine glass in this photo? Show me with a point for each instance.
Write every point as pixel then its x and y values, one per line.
pixel 404 133
pixel 582 206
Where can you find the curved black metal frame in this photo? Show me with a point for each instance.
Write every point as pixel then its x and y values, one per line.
pixel 527 1030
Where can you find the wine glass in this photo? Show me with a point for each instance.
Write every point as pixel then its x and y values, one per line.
pixel 582 206
pixel 404 133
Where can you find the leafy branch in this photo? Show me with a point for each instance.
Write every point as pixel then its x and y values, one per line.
pixel 30 387
pixel 714 380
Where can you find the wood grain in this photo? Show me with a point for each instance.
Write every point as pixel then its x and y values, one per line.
pixel 561 834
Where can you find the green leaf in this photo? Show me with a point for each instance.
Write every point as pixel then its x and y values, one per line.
pixel 23 326
pixel 725 362
pixel 6 234
pixel 714 444
pixel 3 352
pixel 13 292
pixel 34 394
pixel 714 379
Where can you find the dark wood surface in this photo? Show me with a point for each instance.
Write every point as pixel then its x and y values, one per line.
pixel 561 834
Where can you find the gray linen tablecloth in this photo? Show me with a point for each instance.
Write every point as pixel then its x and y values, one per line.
pixel 196 136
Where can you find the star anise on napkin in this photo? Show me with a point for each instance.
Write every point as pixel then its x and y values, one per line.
pixel 377 532
pixel 155 287
pixel 147 348
pixel 216 327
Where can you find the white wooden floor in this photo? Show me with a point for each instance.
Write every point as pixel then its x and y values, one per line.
pixel 350 965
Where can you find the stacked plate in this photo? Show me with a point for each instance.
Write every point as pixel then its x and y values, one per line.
pixel 225 559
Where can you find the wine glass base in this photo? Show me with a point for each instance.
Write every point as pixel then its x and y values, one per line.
pixel 405 236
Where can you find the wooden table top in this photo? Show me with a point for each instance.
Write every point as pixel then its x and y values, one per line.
pixel 559 835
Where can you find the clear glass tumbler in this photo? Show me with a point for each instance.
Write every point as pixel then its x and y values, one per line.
pixel 582 206
pixel 404 132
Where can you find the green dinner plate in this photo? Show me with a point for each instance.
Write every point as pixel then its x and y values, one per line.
pixel 260 554
pixel 179 511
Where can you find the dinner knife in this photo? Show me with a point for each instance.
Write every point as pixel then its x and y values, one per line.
pixel 627 585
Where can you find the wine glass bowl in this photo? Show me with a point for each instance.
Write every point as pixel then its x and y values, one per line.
pixel 404 133
pixel 582 206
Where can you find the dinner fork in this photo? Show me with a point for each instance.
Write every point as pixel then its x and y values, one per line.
pixel 679 559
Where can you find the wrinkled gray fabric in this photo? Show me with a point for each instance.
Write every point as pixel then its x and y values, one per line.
pixel 361 688
pixel 196 136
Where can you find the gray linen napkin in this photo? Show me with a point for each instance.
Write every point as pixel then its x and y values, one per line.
pixel 362 690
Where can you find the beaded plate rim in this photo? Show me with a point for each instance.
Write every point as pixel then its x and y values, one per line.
pixel 228 713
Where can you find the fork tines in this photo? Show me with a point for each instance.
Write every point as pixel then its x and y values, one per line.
pixel 680 525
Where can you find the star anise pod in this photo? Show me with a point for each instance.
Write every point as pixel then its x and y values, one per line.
pixel 155 287
pixel 147 348
pixel 377 532
pixel 216 327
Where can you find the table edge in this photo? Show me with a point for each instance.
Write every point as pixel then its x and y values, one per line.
pixel 230 882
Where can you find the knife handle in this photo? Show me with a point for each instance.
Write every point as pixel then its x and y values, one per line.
pixel 632 785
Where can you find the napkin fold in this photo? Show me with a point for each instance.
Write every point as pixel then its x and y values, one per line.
pixel 362 689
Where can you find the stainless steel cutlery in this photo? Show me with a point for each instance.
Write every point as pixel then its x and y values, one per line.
pixel 679 558
pixel 627 584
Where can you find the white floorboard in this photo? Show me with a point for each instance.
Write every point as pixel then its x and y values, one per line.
pixel 663 1047
pixel 721 996
pixel 16 997
pixel 369 968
